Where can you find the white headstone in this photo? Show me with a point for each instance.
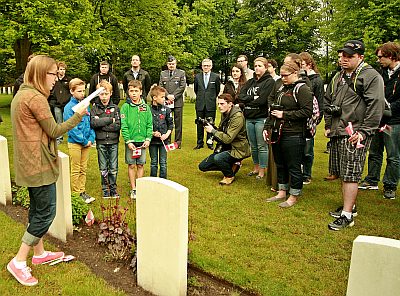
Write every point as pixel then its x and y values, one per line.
pixel 9 90
pixel 62 226
pixel 162 236
pixel 4 89
pixel 375 267
pixel 5 179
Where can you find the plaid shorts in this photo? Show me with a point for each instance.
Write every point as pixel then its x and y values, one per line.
pixel 347 161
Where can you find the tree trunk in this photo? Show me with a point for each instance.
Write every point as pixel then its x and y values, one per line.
pixel 22 50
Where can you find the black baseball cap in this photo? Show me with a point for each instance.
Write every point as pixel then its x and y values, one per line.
pixel 353 47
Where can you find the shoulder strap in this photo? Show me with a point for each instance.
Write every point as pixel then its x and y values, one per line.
pixel 353 84
pixel 296 90
pixel 333 82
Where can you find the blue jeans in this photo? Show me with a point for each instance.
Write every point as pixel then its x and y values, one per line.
pixel 391 143
pixel 158 155
pixel 288 154
pixel 308 158
pixel 42 211
pixel 58 114
pixel 222 161
pixel 259 149
pixel 107 156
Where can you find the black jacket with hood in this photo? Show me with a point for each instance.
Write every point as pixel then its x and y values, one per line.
pixel 295 114
pixel 254 95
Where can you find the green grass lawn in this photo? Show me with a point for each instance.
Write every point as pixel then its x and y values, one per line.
pixel 243 239
pixel 74 278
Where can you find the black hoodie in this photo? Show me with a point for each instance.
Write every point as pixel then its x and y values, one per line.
pixel 254 95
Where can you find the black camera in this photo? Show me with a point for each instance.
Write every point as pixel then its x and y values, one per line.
pixel 333 110
pixel 218 148
pixel 204 122
pixel 274 106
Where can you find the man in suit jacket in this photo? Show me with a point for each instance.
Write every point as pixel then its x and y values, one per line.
pixel 137 73
pixel 174 81
pixel 206 86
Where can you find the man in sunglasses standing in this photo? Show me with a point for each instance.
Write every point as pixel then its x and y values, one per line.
pixel 354 105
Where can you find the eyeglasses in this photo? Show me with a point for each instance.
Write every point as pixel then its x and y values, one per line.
pixel 286 75
pixel 240 61
pixel 379 57
pixel 52 74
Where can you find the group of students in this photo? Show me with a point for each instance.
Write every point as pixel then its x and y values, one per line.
pixel 276 109
pixel 142 126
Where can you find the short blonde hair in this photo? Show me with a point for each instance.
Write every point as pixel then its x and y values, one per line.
pixel 36 73
pixel 107 85
pixel 61 64
pixel 74 83
pixel 156 90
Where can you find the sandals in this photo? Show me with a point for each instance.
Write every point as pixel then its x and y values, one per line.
pixel 275 198
pixel 285 204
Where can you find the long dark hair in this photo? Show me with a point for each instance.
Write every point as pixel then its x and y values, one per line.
pixel 242 78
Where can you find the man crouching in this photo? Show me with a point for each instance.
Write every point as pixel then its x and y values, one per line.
pixel 232 145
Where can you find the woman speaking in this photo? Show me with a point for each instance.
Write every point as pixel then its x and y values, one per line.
pixel 36 160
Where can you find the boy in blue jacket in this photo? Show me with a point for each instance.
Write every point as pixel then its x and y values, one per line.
pixel 80 139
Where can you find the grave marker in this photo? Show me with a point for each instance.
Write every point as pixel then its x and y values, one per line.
pixel 5 179
pixel 162 236
pixel 375 267
pixel 62 226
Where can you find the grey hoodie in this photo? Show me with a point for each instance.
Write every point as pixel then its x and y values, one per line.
pixel 364 113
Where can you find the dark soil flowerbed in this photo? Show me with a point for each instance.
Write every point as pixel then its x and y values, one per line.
pixel 83 245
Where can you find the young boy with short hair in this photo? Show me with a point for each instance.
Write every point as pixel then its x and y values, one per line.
pixel 105 119
pixel 137 131
pixel 80 139
pixel 163 125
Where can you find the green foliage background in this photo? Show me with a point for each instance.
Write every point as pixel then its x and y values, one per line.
pixel 84 32
pixel 235 234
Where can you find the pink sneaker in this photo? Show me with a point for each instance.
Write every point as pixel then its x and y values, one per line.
pixel 51 256
pixel 23 275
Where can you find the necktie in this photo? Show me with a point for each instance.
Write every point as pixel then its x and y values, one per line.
pixel 206 80
pixel 170 74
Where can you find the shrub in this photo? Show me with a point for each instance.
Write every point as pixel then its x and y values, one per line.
pixel 20 196
pixel 79 208
pixel 114 231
